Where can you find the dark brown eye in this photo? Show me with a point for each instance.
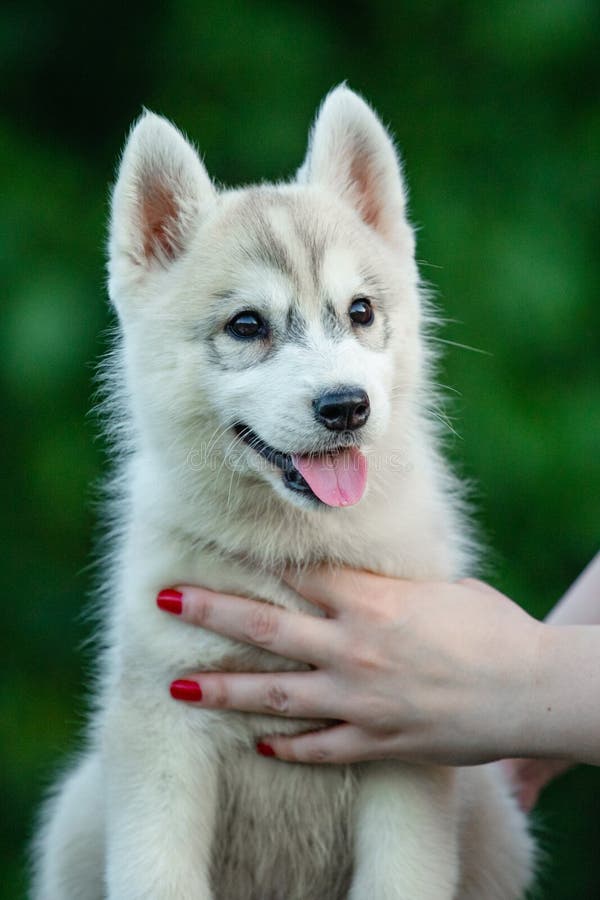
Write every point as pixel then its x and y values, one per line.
pixel 246 325
pixel 361 311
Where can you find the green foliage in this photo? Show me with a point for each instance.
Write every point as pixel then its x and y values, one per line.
pixel 495 108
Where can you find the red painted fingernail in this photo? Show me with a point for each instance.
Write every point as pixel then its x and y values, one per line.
pixel 185 690
pixel 264 749
pixel 170 601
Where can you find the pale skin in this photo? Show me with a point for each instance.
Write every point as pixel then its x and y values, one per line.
pixel 448 673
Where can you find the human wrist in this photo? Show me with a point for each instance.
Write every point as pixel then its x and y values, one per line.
pixel 562 720
pixel 520 729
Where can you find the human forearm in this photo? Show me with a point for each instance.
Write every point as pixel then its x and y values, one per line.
pixel 581 603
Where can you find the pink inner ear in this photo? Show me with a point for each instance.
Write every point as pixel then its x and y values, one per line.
pixel 159 213
pixel 365 181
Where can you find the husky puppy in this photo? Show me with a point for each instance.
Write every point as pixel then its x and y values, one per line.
pixel 272 381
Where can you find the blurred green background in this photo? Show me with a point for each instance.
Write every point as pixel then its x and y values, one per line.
pixel 495 106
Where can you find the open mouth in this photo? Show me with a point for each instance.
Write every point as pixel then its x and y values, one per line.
pixel 337 477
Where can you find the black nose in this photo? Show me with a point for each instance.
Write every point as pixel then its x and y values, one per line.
pixel 343 410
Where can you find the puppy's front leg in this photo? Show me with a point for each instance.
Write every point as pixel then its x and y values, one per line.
pixel 406 835
pixel 161 802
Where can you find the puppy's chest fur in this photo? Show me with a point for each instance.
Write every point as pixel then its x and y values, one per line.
pixel 283 832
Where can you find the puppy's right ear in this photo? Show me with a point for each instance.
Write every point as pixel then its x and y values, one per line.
pixel 162 193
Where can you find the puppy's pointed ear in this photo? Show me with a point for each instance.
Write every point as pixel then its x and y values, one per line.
pixel 161 195
pixel 351 153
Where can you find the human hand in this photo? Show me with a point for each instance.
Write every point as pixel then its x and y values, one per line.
pixel 423 671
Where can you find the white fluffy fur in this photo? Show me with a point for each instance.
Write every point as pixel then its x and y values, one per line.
pixel 170 802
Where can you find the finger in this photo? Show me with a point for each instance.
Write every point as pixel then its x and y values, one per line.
pixel 295 635
pixel 333 589
pixel 337 744
pixel 307 695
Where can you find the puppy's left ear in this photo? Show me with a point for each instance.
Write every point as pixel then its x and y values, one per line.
pixel 351 153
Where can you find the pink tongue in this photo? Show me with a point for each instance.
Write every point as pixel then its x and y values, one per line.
pixel 338 479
